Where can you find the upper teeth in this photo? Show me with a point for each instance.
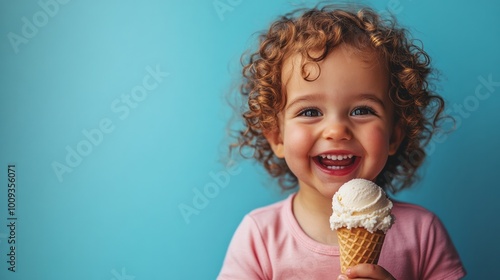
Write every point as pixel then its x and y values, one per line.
pixel 336 157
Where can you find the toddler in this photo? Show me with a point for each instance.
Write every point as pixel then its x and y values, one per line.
pixel 335 94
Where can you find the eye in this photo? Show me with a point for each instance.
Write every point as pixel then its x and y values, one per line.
pixel 363 110
pixel 310 112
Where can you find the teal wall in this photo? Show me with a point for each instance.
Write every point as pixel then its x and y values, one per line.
pixel 113 114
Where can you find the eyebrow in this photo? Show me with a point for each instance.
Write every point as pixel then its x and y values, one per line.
pixel 317 97
pixel 373 98
pixel 305 98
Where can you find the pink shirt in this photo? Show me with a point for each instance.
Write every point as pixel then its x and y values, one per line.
pixel 269 244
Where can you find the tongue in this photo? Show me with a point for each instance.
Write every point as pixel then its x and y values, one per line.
pixel 331 162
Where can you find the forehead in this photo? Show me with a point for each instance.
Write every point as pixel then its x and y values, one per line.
pixel 344 66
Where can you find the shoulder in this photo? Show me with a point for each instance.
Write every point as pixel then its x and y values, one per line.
pixel 419 240
pixel 406 207
pixel 415 223
pixel 411 213
pixel 271 217
pixel 269 212
pixel 254 242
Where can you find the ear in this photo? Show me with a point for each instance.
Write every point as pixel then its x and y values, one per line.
pixel 276 141
pixel 396 138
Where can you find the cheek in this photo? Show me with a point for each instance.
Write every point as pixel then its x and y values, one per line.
pixel 296 139
pixel 377 139
pixel 297 144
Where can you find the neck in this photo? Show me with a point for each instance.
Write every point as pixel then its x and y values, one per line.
pixel 312 211
pixel 314 202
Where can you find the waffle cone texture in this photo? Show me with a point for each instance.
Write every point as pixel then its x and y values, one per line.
pixel 358 245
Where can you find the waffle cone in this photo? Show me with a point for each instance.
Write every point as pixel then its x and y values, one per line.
pixel 358 245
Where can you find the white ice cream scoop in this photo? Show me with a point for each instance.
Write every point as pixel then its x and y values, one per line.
pixel 361 203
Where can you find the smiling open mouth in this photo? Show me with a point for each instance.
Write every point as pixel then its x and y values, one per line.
pixel 336 162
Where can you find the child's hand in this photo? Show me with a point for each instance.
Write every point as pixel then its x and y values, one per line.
pixel 366 271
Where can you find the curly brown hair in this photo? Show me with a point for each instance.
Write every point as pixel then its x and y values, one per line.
pixel 417 109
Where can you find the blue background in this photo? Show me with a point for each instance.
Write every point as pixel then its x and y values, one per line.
pixel 117 214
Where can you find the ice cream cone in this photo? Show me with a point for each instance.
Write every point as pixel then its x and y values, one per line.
pixel 358 245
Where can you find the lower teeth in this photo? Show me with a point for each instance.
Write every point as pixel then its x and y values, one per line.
pixel 334 167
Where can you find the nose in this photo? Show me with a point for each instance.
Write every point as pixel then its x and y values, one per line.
pixel 337 132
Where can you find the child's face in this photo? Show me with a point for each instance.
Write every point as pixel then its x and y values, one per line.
pixel 339 126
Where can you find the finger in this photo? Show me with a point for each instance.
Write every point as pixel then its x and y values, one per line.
pixel 371 271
